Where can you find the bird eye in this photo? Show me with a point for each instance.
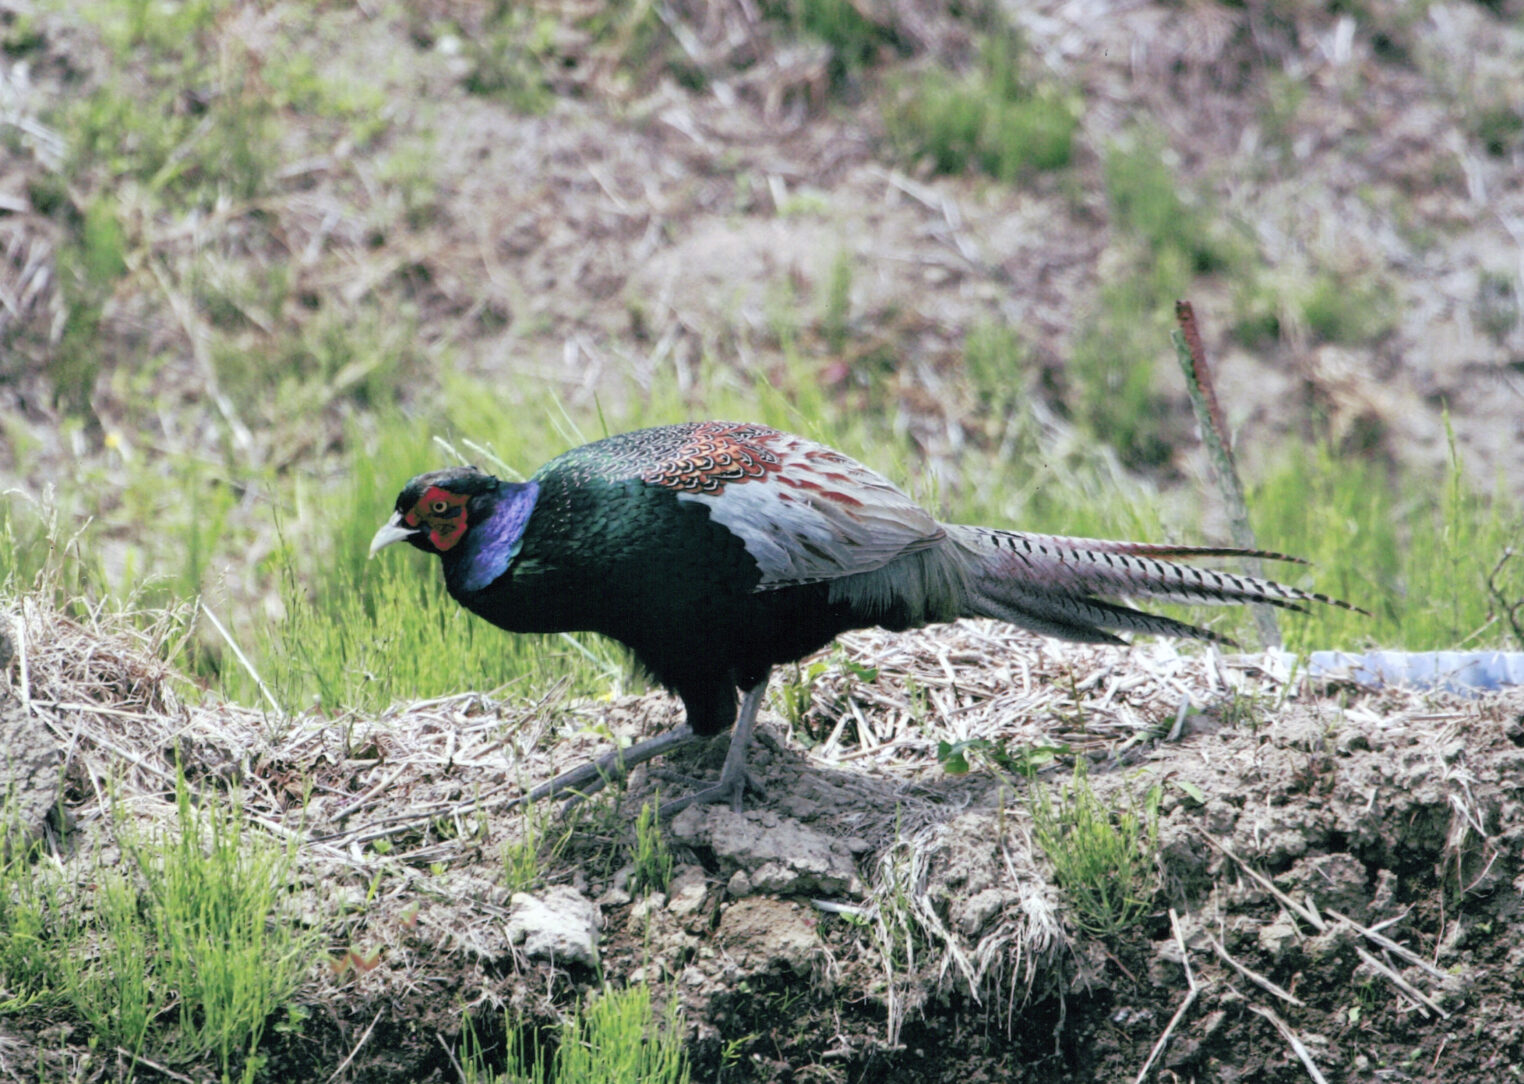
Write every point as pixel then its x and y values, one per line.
pixel 439 508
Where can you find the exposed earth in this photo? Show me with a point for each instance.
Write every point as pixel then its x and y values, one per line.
pixel 1337 884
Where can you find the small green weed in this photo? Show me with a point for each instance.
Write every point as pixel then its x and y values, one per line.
pixel 795 696
pixel 29 905
pixel 525 858
pixel 1347 308
pixel 854 40
pixel 161 144
pixel 116 992
pixel 1113 365
pixel 1167 241
pixel 1027 762
pixel 1104 860
pixel 996 361
pixel 835 321
pixel 796 693
pixel 1497 308
pixel 509 54
pixel 223 953
pixel 652 858
pixel 617 1037
pixel 1421 566
pixel 1498 126
pixel 1147 204
pixel 620 1039
pixel 1324 306
pixel 180 952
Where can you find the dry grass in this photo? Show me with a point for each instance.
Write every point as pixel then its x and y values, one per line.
pixel 399 819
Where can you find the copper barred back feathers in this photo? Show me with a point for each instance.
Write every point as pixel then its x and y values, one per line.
pixel 712 455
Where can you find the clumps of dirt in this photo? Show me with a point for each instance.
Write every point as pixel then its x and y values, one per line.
pixel 1355 871
pixel 762 852
pixel 1340 875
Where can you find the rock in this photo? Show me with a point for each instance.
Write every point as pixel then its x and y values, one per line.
pixel 559 925
pixel 687 891
pixel 614 897
pixel 1384 897
pixel 29 764
pixel 641 912
pixel 1278 936
pixel 1454 989
pixel 778 854
pixel 974 913
pixel 1164 967
pixel 761 933
pixel 1332 943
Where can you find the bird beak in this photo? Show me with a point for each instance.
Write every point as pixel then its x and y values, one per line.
pixel 391 531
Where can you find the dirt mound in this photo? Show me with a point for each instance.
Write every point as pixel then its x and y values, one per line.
pixel 1335 885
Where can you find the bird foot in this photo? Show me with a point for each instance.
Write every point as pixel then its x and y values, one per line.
pixel 588 779
pixel 722 790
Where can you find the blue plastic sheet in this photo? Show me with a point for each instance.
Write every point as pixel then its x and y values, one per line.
pixel 1455 671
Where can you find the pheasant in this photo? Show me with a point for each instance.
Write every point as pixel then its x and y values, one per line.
pixel 715 551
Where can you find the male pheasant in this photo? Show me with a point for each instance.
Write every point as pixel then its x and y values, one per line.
pixel 715 551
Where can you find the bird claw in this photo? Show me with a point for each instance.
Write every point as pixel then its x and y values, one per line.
pixel 724 790
pixel 589 778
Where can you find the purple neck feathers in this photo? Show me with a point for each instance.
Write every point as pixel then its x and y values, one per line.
pixel 491 544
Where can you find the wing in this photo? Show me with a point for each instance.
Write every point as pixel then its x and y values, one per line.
pixel 805 513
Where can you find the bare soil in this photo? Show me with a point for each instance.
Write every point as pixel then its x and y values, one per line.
pixel 1340 871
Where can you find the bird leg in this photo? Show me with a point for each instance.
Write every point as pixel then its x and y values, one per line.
pixel 589 778
pixel 732 782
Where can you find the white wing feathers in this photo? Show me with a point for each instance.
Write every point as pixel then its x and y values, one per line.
pixel 821 517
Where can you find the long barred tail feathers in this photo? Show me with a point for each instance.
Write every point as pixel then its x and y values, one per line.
pixel 1063 586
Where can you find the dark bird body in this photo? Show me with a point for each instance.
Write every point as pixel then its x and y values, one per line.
pixel 715 551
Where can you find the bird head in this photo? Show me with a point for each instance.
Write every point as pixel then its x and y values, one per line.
pixel 433 510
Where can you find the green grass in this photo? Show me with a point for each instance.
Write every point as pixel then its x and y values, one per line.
pixel 1117 394
pixel 224 959
pixel 542 841
pixel 1147 204
pixel 1163 243
pixel 652 858
pixel 29 905
pixel 510 54
pixel 616 1037
pixel 855 42
pixel 1420 560
pixel 1327 305
pixel 178 953
pixel 987 119
pixel 363 634
pixel 139 126
pixel 1105 860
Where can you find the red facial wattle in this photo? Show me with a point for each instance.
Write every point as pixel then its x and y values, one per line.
pixel 444 513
